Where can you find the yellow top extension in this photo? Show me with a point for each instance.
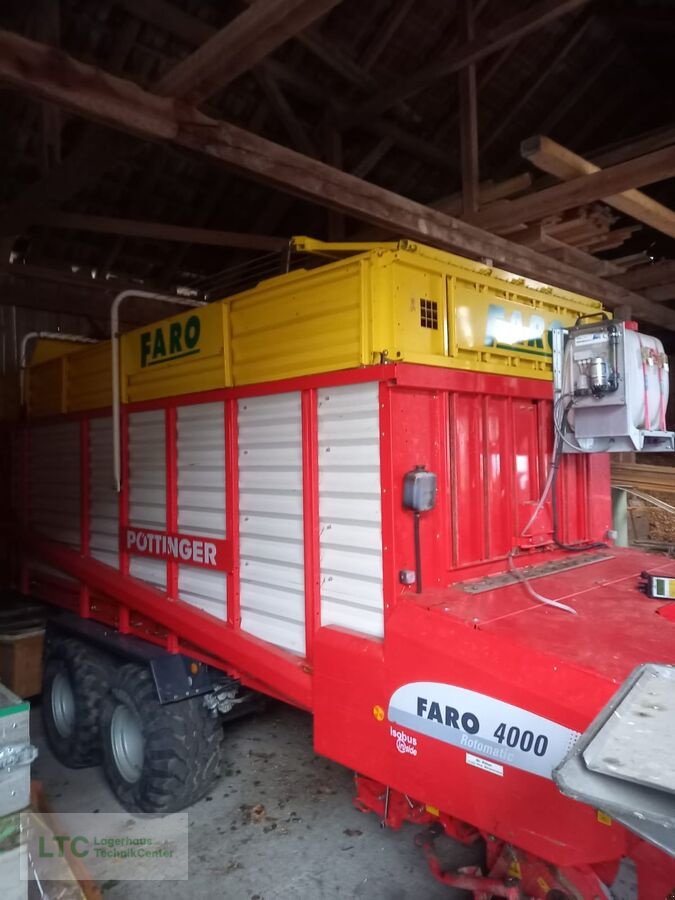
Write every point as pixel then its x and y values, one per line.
pixel 370 303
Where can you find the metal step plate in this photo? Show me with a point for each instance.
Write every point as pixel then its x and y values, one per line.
pixel 637 743
pixel 503 579
pixel 647 811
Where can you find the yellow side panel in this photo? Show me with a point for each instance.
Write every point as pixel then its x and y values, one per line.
pixel 88 378
pixel 505 328
pixel 45 349
pixel 451 312
pixel 418 305
pixel 181 355
pixel 45 388
pixel 301 323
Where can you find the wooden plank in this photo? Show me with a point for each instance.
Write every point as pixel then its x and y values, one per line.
pixel 583 84
pixel 283 110
pixel 488 192
pixel 557 160
pixel 637 146
pixel 385 32
pixel 650 275
pixel 601 184
pixel 239 46
pixel 160 231
pixel 513 110
pixel 85 91
pixel 487 43
pixel 538 238
pixel 468 117
pixel 644 477
pixel 227 53
pixel 660 294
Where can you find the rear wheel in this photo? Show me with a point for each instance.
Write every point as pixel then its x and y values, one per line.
pixel 157 758
pixel 74 682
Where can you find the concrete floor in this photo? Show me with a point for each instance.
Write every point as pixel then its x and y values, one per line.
pixel 309 842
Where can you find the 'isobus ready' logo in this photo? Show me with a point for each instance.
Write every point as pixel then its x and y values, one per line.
pixel 168 342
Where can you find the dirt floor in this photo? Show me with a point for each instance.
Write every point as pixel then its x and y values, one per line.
pixel 279 824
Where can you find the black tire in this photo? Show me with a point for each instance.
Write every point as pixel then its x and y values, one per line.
pixel 179 757
pixel 77 677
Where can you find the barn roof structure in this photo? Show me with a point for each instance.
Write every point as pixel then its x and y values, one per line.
pixel 177 145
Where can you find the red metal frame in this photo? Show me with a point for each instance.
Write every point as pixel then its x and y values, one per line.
pixel 310 509
pixel 171 451
pixel 232 509
pixel 501 644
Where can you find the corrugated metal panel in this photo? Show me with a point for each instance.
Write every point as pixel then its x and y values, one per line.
pixel 157 360
pixel 44 388
pixel 54 481
pixel 88 382
pixel 203 589
pixel 499 457
pixel 201 469
pixel 350 508
pixel 302 323
pixel 147 486
pixel 271 521
pixel 201 498
pixel 103 499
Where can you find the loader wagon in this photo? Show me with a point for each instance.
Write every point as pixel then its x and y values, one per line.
pixel 328 490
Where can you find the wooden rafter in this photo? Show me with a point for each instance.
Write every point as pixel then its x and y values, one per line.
pixel 551 157
pixel 159 231
pixel 520 25
pixel 513 110
pixel 227 53
pixel 238 47
pixel 30 67
pixel 468 118
pixel 601 184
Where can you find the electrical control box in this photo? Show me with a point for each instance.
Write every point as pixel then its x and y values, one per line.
pixel 610 389
pixel 419 490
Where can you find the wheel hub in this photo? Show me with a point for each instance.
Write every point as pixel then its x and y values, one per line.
pixel 127 742
pixel 63 705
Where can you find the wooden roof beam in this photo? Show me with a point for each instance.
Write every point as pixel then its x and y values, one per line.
pixel 648 276
pixel 557 160
pixel 225 55
pixel 487 43
pixel 31 68
pixel 468 117
pixel 601 184
pixel 239 46
pixel 160 231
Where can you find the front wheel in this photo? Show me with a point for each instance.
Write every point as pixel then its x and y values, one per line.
pixel 157 758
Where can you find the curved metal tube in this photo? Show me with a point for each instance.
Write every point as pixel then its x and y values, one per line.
pixel 114 338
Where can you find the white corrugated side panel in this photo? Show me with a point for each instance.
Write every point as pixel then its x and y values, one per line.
pixel 270 520
pixel 54 481
pixel 350 508
pixel 201 498
pixel 103 499
pixel 147 487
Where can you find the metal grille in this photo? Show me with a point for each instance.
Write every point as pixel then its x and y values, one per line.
pixel 271 520
pixel 54 481
pixel 147 487
pixel 429 314
pixel 103 499
pixel 350 508
pixel 201 498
